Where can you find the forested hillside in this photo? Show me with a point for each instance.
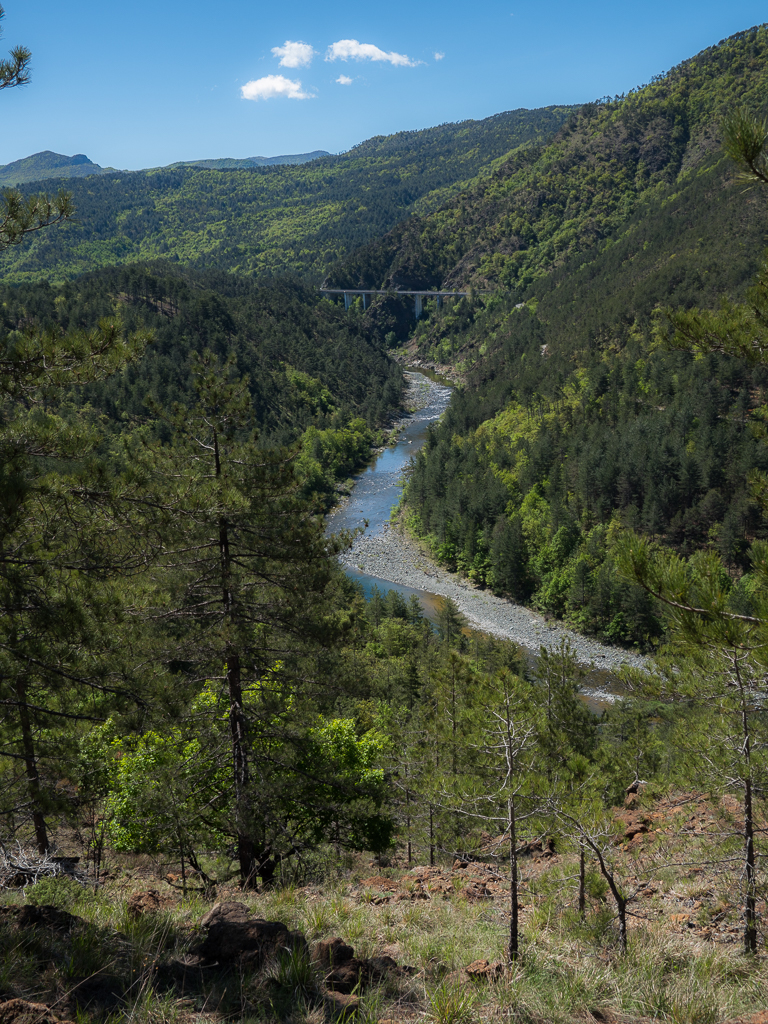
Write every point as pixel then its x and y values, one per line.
pixel 312 373
pixel 576 419
pixel 269 220
pixel 546 204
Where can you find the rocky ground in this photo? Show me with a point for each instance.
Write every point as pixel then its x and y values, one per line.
pixel 405 943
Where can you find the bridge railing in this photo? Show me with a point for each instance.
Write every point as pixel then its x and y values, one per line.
pixel 419 296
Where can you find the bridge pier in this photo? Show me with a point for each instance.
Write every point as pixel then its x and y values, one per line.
pixel 418 306
pixel 346 301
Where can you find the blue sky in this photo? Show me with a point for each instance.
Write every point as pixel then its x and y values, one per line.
pixel 144 84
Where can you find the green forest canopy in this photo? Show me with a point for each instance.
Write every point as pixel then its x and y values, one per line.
pixel 272 220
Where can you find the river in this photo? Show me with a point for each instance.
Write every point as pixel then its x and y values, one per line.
pixel 385 557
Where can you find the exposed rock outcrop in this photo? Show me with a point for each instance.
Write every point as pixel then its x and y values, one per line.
pixel 235 935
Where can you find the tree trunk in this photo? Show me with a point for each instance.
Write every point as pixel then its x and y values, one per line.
pixel 267 867
pixel 514 923
pixel 750 925
pixel 249 867
pixel 183 868
pixel 618 898
pixel 582 883
pixel 408 815
pixel 621 909
pixel 30 765
pixel 431 839
pixel 237 725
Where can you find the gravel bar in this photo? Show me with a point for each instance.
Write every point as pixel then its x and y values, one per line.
pixel 393 556
pixel 388 553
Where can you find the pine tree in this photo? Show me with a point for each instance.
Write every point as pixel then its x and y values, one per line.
pixel 70 545
pixel 247 574
pixel 498 784
pixel 19 216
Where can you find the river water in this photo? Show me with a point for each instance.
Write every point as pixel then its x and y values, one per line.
pixel 379 487
pixel 382 557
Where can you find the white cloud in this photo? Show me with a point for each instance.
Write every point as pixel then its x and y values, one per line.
pixel 344 80
pixel 294 55
pixel 273 85
pixel 345 49
pixel 439 55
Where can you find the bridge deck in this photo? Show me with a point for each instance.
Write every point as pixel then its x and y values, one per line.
pixel 387 291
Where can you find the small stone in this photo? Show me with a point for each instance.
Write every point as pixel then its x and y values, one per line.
pixel 341 1005
pixel 147 902
pixel 484 970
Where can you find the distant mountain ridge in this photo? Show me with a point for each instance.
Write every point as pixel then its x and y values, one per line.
pixel 48 164
pixel 230 164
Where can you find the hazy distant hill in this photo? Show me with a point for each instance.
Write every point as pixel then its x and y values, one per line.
pixel 229 164
pixel 278 218
pixel 48 165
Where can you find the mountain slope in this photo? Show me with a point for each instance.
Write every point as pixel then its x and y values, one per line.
pixel 543 206
pixel 577 419
pixel 41 166
pixel 273 219
pixel 312 374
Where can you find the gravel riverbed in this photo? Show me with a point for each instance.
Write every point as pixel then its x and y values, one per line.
pixel 393 556
pixel 387 552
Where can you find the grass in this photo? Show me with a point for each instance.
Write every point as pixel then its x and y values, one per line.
pixel 567 966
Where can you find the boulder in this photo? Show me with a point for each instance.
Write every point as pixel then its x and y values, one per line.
pixel 31 916
pixel 234 934
pixel 344 971
pixel 638 828
pixel 332 953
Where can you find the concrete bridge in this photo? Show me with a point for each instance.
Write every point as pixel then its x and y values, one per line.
pixel 419 297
